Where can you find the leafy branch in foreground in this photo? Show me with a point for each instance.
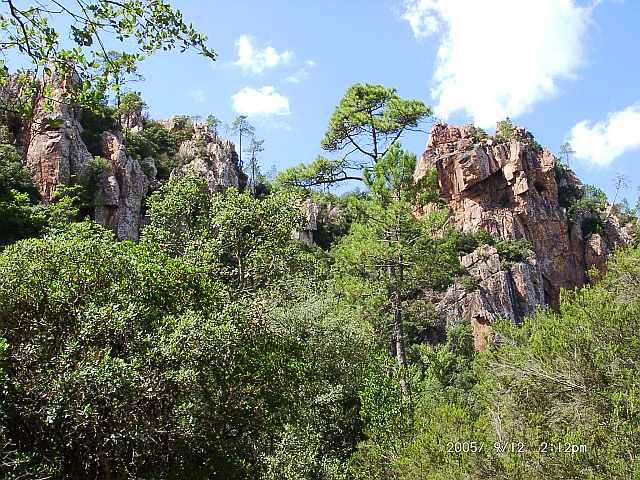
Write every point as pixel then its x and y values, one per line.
pixel 366 122
pixel 322 171
pixel 146 25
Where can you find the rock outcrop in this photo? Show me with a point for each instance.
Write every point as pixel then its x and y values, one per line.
pixel 211 158
pixel 51 143
pixel 121 190
pixel 321 218
pixel 310 210
pixel 498 291
pixel 133 119
pixel 512 190
pixel 55 154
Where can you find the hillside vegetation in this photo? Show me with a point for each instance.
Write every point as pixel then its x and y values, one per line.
pixel 261 327
pixel 223 348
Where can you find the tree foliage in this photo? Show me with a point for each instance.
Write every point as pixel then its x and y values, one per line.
pixel 20 215
pixel 369 119
pixel 140 28
pixel 322 171
pixel 188 377
pixel 241 127
pixel 555 400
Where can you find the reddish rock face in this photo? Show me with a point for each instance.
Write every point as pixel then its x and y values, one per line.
pixel 510 189
pixel 55 154
pixel 596 252
pixel 53 149
pixel 508 292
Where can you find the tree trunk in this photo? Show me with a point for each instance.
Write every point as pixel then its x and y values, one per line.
pixel 396 282
pixel 397 337
pixel 253 176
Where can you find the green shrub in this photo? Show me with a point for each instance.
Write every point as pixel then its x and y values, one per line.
pixel 428 188
pixel 566 377
pixel 469 283
pixel 94 123
pixel 70 204
pixel 148 167
pixel 98 165
pixel 513 250
pixel 467 242
pixel 568 192
pixel 20 215
pixel 157 142
pixel 505 130
pixel 534 143
pixel 588 203
pixel 624 212
pixel 478 134
pixel 591 209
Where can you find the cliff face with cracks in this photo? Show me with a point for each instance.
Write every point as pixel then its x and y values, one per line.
pixel 512 189
pixel 52 147
pixel 55 154
pixel 212 158
pixel 121 191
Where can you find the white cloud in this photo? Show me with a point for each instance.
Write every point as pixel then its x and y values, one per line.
pixel 256 61
pixel 601 143
pixel 263 102
pixel 497 58
pixel 198 95
pixel 302 73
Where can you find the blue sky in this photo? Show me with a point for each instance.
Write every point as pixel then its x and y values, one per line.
pixel 564 69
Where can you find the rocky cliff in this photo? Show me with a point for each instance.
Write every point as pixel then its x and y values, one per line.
pixel 55 153
pixel 513 189
pixel 498 291
pixel 323 221
pixel 121 190
pixel 51 144
pixel 214 159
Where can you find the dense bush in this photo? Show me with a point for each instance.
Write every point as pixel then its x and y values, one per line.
pixel 509 250
pixel 243 354
pixel 244 240
pixel 94 122
pixel 466 242
pixel 625 213
pixel 20 214
pixel 219 347
pixel 95 379
pixel 505 130
pixel 586 204
pixel 514 250
pixel 157 142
